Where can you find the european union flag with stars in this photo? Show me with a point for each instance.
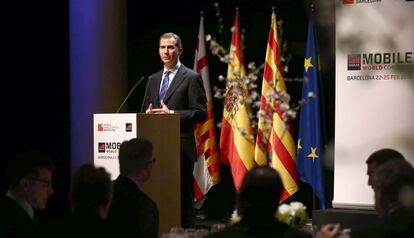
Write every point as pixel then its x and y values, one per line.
pixel 310 141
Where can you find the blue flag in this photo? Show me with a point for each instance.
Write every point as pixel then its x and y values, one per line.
pixel 310 141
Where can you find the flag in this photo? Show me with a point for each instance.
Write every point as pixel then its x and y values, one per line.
pixel 207 167
pixel 310 142
pixel 236 139
pixel 275 145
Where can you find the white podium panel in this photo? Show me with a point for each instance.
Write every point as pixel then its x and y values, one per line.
pixel 109 131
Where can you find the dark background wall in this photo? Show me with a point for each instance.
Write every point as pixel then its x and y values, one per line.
pixel 36 74
pixel 35 88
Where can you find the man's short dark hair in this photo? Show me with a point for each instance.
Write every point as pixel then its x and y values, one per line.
pixel 260 191
pixel 27 163
pixel 384 155
pixel 172 35
pixel 134 155
pixel 91 186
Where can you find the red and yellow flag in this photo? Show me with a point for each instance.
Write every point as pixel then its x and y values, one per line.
pixel 236 140
pixel 207 167
pixel 274 142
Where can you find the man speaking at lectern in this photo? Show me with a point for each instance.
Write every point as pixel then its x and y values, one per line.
pixel 178 89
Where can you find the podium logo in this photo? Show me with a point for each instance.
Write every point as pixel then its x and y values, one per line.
pixel 108 147
pixel 128 127
pixel 101 147
pixel 354 62
pixel 100 127
pixel 347 1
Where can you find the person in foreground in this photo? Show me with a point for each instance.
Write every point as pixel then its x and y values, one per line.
pixel 393 184
pixel 378 158
pixel 133 213
pixel 29 179
pixel 178 89
pixel 90 197
pixel 257 204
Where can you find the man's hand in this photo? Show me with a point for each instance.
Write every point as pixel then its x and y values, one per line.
pixel 149 109
pixel 164 109
pixel 330 231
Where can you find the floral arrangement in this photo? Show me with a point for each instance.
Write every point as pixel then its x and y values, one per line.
pixel 292 214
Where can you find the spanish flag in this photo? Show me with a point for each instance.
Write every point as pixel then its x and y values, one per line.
pixel 275 145
pixel 237 140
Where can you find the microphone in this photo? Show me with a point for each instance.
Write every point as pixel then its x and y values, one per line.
pixel 122 104
pixel 145 94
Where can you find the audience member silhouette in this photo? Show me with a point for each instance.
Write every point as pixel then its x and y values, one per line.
pixel 29 179
pixel 379 157
pixel 133 213
pixel 257 204
pixel 393 184
pixel 90 197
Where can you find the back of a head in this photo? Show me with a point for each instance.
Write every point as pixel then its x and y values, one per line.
pixel 91 187
pixel 260 192
pixel 134 155
pixel 391 180
pixel 384 155
pixel 27 163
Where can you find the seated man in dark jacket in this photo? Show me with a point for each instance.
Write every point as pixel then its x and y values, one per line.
pixel 90 197
pixel 258 201
pixel 393 184
pixel 133 213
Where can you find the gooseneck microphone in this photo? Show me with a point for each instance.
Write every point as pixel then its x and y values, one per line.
pixel 122 104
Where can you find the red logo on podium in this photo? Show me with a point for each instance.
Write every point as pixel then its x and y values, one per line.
pixel 100 127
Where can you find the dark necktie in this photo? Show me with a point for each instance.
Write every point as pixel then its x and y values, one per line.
pixel 164 86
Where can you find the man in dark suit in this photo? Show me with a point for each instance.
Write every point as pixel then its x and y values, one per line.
pixel 29 179
pixel 378 158
pixel 393 184
pixel 178 89
pixel 132 212
pixel 257 203
pixel 90 197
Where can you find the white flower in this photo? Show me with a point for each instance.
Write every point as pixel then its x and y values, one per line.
pixel 235 217
pixel 284 208
pixel 297 205
pixel 291 214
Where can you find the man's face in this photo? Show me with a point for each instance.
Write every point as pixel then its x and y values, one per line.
pixel 370 172
pixel 39 189
pixel 169 52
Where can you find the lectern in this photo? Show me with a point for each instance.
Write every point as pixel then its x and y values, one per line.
pixel 163 130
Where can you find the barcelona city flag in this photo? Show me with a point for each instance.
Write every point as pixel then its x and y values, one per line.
pixel 207 167
pixel 310 140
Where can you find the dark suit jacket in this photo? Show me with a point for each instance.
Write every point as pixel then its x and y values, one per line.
pixel 397 224
pixel 132 213
pixel 82 222
pixel 268 229
pixel 14 220
pixel 185 96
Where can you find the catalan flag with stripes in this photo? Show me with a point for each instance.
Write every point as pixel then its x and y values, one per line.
pixel 207 167
pixel 310 141
pixel 275 145
pixel 236 140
